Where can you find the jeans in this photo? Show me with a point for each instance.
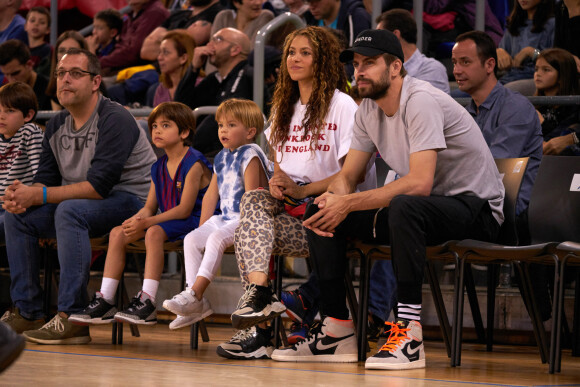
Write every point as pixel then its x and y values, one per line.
pixel 72 222
pixel 382 289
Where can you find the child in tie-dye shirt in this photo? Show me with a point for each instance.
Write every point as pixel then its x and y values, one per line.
pixel 241 166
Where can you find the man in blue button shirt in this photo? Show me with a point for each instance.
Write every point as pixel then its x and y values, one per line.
pixel 507 119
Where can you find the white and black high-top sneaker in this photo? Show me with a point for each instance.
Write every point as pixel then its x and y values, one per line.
pixel 258 304
pixel 99 311
pixel 250 343
pixel 331 341
pixel 140 311
pixel 403 350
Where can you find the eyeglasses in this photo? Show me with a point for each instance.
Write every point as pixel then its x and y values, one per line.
pixel 74 73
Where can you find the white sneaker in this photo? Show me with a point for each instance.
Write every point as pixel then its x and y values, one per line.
pixel 183 321
pixel 186 304
pixel 331 341
pixel 403 350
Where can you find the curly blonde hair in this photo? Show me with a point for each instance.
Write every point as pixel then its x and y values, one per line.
pixel 329 75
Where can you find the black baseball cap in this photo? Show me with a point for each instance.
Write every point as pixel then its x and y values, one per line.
pixel 373 43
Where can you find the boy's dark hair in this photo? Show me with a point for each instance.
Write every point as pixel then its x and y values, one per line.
pixel 18 95
pixel 14 49
pixel 112 19
pixel 402 20
pixel 484 43
pixel 41 10
pixel 177 112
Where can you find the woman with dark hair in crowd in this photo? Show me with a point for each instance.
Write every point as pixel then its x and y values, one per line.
pixel 556 75
pixel 530 29
pixel 66 40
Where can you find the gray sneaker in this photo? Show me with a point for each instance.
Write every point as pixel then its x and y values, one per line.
pixel 59 331
pixel 18 323
pixel 98 312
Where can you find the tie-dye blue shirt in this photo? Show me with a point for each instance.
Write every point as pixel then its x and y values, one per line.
pixel 230 167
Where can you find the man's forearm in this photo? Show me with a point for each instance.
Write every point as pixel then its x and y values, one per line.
pixel 83 190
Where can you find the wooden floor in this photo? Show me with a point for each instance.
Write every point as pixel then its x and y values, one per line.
pixel 162 357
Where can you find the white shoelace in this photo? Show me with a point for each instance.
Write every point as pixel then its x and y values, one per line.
pixel 55 323
pixel 243 335
pixel 250 292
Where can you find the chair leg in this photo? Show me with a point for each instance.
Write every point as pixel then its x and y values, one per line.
pixel 576 318
pixel 194 336
pixel 474 303
pixel 454 317
pixel 530 302
pixel 458 324
pixel 203 331
pixel 439 306
pixel 557 317
pixel 492 273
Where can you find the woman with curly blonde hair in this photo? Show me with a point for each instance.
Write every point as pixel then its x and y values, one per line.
pixel 310 130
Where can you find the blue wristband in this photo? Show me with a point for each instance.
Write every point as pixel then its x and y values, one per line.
pixel 43 195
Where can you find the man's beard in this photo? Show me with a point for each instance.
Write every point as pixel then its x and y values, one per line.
pixel 376 90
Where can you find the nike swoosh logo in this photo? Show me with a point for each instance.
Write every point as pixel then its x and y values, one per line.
pixel 328 344
pixel 412 353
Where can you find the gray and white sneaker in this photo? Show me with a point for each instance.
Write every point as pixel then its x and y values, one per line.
pixel 140 311
pixel 247 344
pixel 98 312
pixel 331 341
pixel 258 304
pixel 187 304
pixel 403 350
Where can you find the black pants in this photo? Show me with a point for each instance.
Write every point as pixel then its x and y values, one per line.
pixel 409 224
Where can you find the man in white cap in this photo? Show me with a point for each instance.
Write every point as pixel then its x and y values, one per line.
pixel 449 188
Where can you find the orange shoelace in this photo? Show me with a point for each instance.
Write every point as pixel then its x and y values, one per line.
pixel 396 336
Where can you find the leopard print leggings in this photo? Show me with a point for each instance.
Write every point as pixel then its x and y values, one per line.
pixel 265 229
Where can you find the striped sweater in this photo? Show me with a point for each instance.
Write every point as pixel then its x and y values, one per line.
pixel 19 155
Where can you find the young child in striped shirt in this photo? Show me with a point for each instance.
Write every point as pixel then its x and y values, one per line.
pixel 20 138
pixel 179 181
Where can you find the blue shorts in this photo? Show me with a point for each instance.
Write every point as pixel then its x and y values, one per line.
pixel 178 228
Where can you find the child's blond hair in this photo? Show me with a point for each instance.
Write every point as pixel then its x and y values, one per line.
pixel 243 110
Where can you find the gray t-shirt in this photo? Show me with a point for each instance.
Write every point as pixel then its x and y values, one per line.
pixel 428 118
pixel 109 151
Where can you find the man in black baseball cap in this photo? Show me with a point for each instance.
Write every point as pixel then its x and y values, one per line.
pixel 373 43
pixel 448 189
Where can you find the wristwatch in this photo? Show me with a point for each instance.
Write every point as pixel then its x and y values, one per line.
pixel 575 138
pixel 535 54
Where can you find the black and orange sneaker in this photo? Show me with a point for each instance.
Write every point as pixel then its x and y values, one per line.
pixel 403 350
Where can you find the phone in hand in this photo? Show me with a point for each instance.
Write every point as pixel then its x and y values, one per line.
pixel 311 209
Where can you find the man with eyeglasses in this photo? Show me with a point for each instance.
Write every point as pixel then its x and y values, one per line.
pixel 94 173
pixel 228 51
pixel 17 66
